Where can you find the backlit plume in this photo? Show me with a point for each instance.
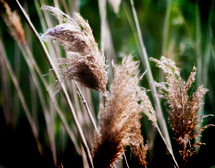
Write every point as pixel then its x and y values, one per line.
pixel 13 22
pixel 119 124
pixel 86 64
pixel 183 107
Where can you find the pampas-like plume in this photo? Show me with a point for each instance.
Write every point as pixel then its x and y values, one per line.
pixel 86 64
pixel 119 124
pixel 183 108
pixel 13 22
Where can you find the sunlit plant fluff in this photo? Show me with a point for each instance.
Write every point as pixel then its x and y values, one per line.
pixel 183 108
pixel 119 124
pixel 86 64
pixel 13 22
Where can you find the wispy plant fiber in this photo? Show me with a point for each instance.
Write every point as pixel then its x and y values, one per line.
pixel 13 22
pixel 119 124
pixel 183 107
pixel 86 64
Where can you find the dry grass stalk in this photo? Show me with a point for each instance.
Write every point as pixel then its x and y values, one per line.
pixel 115 4
pixel 183 107
pixel 86 64
pixel 13 22
pixel 119 124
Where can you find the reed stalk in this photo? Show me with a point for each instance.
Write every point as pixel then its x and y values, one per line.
pixel 198 62
pixel 6 94
pixel 86 106
pixel 144 59
pixel 17 69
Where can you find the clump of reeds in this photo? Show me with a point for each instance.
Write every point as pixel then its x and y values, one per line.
pixel 119 124
pixel 183 108
pixel 13 22
pixel 86 64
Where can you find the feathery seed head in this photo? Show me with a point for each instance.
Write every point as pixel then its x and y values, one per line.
pixel 86 64
pixel 183 108
pixel 13 22
pixel 119 124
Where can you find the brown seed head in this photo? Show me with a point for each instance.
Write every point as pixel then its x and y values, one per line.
pixel 86 64
pixel 13 22
pixel 183 107
pixel 119 124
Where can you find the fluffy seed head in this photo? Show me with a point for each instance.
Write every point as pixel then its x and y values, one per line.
pixel 183 107
pixel 13 22
pixel 86 64
pixel 119 124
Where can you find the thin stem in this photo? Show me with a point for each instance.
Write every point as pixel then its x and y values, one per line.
pixel 176 164
pixel 199 62
pixel 91 117
pixel 165 36
pixel 86 106
pixel 63 90
pixel 144 59
pixel 6 96
pixel 17 68
pixel 166 28
pixel 125 160
pixel 65 6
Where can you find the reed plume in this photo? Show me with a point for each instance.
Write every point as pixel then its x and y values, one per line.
pixel 13 22
pixel 85 64
pixel 119 124
pixel 183 108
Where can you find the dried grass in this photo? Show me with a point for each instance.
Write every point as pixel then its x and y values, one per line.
pixel 115 4
pixel 13 22
pixel 119 124
pixel 86 64
pixel 183 107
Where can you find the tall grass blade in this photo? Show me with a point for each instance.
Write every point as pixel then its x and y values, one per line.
pixel 144 59
pixel 7 110
pixel 166 28
pixel 17 69
pixel 198 62
pixel 106 39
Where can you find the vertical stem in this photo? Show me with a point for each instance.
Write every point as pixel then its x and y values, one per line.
pixel 144 59
pixel 166 28
pixel 176 164
pixel 165 35
pixel 86 106
pixel 199 61
pixel 6 96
